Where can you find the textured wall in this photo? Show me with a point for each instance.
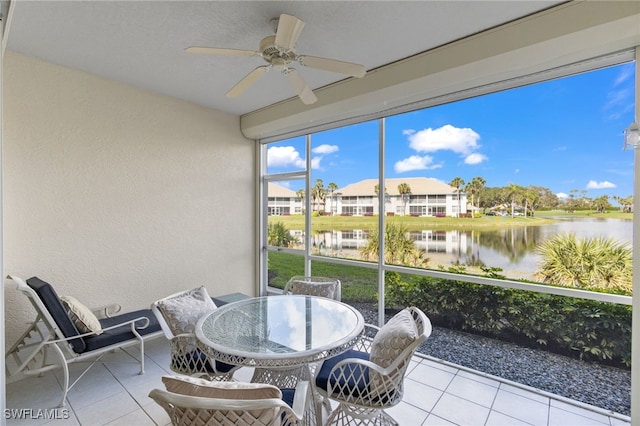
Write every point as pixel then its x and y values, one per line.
pixel 115 194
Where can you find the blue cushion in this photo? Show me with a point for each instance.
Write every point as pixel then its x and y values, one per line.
pixel 354 386
pixel 197 358
pixel 52 302
pixel 288 395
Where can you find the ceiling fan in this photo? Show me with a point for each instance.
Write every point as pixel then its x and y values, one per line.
pixel 278 51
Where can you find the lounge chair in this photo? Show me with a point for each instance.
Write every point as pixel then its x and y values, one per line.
pixel 54 331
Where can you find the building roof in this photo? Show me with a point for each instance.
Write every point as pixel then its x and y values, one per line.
pixel 280 191
pixel 418 185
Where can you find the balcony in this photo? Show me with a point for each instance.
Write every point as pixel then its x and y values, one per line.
pixel 436 393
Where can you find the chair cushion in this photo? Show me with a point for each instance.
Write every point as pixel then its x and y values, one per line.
pixel 52 302
pixel 393 338
pixel 82 317
pixel 121 334
pixel 192 386
pixel 314 288
pixel 343 386
pixel 183 311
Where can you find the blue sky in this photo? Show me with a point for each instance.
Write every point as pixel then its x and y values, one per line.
pixel 565 134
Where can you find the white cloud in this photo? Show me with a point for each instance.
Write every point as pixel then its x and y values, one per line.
pixel 475 158
pixel 600 185
pixel 315 162
pixel 415 162
pixel 625 73
pixel 284 156
pixel 463 141
pixel 562 195
pixel 325 149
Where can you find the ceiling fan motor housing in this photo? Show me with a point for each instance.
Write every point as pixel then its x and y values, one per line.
pixel 273 54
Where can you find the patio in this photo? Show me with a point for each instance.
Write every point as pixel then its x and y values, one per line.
pixel 436 393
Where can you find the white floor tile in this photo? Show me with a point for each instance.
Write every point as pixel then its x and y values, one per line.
pixel 580 411
pixel 431 376
pixel 460 411
pixel 521 407
pixel 107 410
pixel 406 414
pixel 420 395
pixel 434 420
pixel 435 394
pixel 472 390
pixel 157 413
pixel 135 418
pixel 480 378
pixel 499 419
pixel 561 417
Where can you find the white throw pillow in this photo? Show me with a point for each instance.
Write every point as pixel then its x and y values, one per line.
pixel 393 338
pixel 192 386
pixel 82 317
pixel 183 311
pixel 311 288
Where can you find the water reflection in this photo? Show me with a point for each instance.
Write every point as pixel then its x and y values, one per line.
pixel 509 248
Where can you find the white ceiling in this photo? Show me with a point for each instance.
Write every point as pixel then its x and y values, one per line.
pixel 142 42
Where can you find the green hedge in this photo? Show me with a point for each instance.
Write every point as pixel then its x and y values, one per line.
pixel 581 328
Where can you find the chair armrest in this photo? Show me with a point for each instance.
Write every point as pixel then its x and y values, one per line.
pixel 91 333
pixel 107 311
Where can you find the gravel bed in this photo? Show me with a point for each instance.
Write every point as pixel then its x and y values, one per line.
pixel 592 383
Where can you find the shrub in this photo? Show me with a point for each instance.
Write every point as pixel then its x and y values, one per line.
pixel 580 328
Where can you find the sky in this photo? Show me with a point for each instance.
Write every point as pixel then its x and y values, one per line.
pixel 564 134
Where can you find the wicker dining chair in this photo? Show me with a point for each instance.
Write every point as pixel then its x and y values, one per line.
pixel 369 378
pixel 196 402
pixel 314 286
pixel 177 315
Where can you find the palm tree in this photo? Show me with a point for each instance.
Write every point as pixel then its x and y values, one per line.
pixel 300 194
pixel 399 249
pixel 457 182
pixel 318 193
pixel 474 188
pixel 332 187
pixel 591 263
pixel 404 190
pixel 513 191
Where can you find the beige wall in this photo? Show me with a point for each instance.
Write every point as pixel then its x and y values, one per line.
pixel 116 194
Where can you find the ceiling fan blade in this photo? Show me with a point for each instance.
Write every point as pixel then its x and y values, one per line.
pixel 247 81
pixel 349 68
pixel 300 86
pixel 221 51
pixel 289 29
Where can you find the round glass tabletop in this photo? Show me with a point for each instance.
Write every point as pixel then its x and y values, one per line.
pixel 279 330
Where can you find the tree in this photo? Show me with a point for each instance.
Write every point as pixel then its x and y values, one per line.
pixel 474 188
pixel 318 194
pixel 404 190
pixel 601 204
pixel 332 187
pixel 457 182
pixel 589 263
pixel 399 249
pixel 300 194
pixel 278 235
pixel 513 192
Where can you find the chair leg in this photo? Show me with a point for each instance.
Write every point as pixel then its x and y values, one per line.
pixel 65 373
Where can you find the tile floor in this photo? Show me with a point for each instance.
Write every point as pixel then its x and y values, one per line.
pixel 112 393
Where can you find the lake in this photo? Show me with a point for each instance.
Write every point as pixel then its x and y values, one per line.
pixel 511 248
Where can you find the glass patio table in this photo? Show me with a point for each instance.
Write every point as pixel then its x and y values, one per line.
pixel 279 335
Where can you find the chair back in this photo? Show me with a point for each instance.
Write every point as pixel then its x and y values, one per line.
pixel 193 402
pixel 389 388
pixel 314 286
pixel 50 310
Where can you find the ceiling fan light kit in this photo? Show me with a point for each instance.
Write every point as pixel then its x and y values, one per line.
pixel 278 51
